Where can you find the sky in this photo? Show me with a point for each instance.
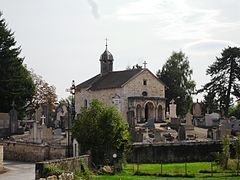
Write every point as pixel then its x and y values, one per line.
pixel 62 40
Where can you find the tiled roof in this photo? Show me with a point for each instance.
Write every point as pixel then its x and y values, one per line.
pixel 113 79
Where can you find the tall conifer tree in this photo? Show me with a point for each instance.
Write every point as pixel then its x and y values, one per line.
pixel 225 78
pixel 15 80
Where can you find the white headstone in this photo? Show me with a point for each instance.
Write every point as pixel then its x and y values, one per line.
pixel 172 108
pixel 75 148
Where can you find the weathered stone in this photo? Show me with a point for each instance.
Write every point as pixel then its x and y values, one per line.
pixel 106 170
pixel 53 177
pixel 66 176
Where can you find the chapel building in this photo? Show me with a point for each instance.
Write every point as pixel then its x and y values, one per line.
pixel 137 93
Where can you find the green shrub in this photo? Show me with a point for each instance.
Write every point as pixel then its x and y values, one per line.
pixel 52 169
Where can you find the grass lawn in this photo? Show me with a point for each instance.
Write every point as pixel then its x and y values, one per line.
pixel 177 170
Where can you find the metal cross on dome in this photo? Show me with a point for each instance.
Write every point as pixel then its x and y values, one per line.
pixel 106 42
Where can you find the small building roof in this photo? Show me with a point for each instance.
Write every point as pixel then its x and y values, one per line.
pixel 113 79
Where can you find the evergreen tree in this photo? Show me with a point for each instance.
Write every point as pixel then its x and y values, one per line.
pixel 210 103
pixel 176 74
pixel 225 77
pixel 16 82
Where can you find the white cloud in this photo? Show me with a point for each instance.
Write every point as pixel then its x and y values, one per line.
pixel 174 20
pixel 208 46
pixel 94 8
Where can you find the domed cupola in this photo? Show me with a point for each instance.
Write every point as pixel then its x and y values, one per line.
pixel 106 60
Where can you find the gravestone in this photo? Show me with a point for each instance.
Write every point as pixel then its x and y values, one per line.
pixel 40 133
pixel 4 125
pixel 189 125
pixel 13 125
pixel 181 133
pixel 216 134
pixel 150 124
pixel 157 135
pixel 173 108
pixel 138 135
pixel 75 148
pixel 38 114
pixel 57 133
pixel 210 133
pixel 197 109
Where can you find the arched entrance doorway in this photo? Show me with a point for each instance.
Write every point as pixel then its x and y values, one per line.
pixel 149 111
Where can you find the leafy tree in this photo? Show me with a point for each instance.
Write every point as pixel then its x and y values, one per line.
pixel 176 74
pixel 237 152
pixel 235 110
pixel 16 81
pixel 225 77
pixel 101 129
pixel 66 101
pixel 44 93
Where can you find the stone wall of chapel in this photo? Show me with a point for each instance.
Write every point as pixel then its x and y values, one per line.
pixel 135 87
pixel 105 95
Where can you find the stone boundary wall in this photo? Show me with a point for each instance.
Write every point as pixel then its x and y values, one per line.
pixel 174 152
pixel 68 164
pixel 28 152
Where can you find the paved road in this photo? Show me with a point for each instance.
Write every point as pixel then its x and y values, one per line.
pixel 18 171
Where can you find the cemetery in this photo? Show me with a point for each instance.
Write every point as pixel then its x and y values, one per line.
pixel 130 123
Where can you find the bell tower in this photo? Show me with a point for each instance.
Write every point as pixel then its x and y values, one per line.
pixel 106 61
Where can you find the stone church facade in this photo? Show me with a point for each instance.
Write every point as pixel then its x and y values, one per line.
pixel 137 93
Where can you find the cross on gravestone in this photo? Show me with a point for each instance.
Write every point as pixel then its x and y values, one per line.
pixel 172 108
pixel 43 119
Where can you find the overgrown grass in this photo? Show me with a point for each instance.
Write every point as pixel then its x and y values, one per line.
pixel 196 170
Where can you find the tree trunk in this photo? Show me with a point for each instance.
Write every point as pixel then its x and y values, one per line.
pixel 229 88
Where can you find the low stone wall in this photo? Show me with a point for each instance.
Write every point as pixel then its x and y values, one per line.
pixel 68 164
pixel 174 152
pixel 28 152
